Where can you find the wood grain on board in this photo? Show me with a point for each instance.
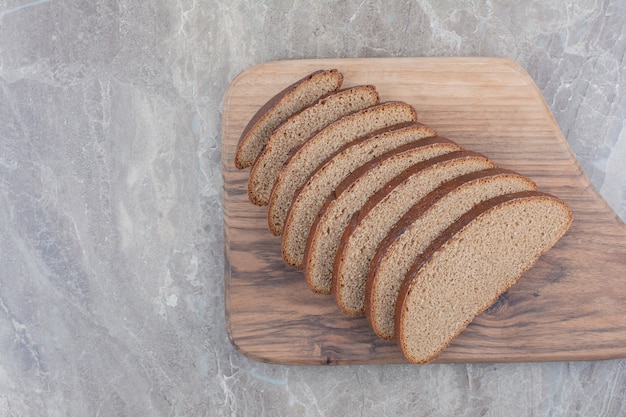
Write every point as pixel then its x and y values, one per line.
pixel 570 306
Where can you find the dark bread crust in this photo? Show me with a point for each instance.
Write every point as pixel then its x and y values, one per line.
pixel 358 217
pixel 350 180
pixel 383 192
pixel 377 135
pixel 380 132
pixel 358 173
pixel 438 244
pixel 418 210
pixel 252 196
pixel 356 142
pixel 376 198
pixel 269 105
pixel 415 212
pixel 361 113
pixel 380 195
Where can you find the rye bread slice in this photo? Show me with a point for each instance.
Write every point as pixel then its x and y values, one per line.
pixel 349 196
pixel 297 129
pixel 321 146
pixel 310 197
pixel 470 265
pixel 369 226
pixel 291 100
pixel 419 226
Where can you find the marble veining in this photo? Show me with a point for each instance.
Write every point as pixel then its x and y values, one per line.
pixel 111 244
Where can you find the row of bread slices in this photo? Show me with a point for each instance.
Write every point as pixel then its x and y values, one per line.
pixel 399 224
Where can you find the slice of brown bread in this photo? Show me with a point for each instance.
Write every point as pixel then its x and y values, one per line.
pixel 298 128
pixel 418 227
pixel 291 100
pixel 370 225
pixel 324 144
pixel 310 197
pixel 349 196
pixel 470 265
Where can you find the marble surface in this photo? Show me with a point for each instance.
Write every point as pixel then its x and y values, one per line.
pixel 111 243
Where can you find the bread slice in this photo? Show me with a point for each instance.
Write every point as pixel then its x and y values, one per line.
pixel 321 146
pixel 370 225
pixel 420 225
pixel 310 197
pixel 470 265
pixel 349 196
pixel 291 100
pixel 298 128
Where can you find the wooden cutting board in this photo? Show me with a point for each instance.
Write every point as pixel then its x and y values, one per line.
pixel 570 306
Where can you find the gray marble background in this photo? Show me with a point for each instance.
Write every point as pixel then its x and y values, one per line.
pixel 111 244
